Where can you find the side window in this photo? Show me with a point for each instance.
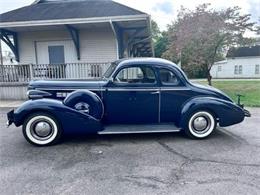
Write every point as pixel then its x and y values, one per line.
pixel 168 77
pixel 135 75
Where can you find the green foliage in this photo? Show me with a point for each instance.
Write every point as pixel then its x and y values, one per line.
pixel 160 40
pixel 156 33
pixel 160 46
pixel 249 89
pixel 202 36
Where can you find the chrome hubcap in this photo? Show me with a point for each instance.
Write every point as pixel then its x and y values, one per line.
pixel 200 123
pixel 83 107
pixel 42 129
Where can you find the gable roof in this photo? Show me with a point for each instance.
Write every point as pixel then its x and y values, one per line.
pixel 244 51
pixel 68 9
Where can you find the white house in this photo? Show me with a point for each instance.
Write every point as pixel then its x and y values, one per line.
pixel 243 62
pixel 75 31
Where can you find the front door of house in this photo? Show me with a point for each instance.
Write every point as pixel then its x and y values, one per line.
pixel 56 54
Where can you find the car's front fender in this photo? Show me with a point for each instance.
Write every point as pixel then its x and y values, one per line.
pixel 70 119
pixel 226 112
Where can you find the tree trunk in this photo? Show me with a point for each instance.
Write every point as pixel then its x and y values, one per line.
pixel 209 77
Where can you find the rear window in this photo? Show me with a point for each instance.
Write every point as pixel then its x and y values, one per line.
pixel 168 77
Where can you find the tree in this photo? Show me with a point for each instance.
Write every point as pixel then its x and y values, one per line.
pixel 156 33
pixel 161 44
pixel 160 40
pixel 202 36
pixel 258 27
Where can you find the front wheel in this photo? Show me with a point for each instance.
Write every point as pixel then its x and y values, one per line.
pixel 200 124
pixel 41 129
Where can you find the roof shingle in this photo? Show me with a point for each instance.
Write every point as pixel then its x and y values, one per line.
pixel 51 10
pixel 244 51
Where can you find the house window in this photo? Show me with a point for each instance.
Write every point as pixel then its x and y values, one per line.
pixel 236 69
pixel 219 68
pixel 257 69
pixel 240 69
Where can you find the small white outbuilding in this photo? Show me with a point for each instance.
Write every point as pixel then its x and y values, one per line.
pixel 243 62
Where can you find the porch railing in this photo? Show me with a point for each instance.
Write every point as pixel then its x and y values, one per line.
pixel 27 72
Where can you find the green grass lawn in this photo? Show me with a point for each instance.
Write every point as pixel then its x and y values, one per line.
pixel 250 89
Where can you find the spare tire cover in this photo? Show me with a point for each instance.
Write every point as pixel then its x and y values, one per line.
pixel 86 96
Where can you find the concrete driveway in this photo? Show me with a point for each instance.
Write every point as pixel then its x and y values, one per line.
pixel 227 162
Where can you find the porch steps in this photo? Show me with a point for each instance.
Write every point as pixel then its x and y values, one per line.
pixel 139 128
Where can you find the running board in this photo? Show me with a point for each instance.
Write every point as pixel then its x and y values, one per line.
pixel 129 129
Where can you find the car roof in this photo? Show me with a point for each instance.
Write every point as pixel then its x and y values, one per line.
pixel 151 61
pixel 156 62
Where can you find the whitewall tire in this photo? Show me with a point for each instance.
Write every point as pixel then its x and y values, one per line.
pixel 200 124
pixel 41 129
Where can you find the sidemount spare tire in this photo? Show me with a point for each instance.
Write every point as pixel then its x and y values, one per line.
pixel 87 102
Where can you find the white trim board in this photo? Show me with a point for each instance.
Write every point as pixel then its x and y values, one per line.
pixel 73 21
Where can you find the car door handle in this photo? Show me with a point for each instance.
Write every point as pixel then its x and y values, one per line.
pixel 156 92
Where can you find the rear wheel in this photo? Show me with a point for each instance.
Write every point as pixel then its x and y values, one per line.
pixel 41 129
pixel 200 124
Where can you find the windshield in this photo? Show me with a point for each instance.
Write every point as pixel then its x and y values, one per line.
pixel 110 70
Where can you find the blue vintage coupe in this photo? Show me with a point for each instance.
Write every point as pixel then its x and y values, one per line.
pixel 139 95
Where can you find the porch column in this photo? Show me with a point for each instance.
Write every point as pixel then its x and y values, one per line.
pixel 119 33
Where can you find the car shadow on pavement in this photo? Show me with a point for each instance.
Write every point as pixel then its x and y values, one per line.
pixel 219 134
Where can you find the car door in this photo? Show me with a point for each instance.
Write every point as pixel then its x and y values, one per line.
pixel 132 96
pixel 173 93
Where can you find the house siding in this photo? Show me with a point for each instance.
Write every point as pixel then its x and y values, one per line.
pixel 96 45
pixel 228 68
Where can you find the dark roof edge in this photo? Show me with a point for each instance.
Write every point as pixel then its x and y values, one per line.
pixel 252 51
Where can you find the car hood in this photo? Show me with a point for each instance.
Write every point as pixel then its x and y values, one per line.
pixel 67 84
pixel 213 90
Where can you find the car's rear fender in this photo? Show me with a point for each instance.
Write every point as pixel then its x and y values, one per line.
pixel 70 119
pixel 226 112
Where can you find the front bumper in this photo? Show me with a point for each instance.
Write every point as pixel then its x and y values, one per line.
pixel 10 118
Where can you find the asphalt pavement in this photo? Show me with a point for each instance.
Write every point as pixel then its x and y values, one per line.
pixel 226 163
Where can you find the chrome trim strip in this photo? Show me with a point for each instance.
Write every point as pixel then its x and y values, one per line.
pixel 131 132
pixel 35 96
pixel 132 89
pixel 70 89
pixel 174 88
pixel 117 89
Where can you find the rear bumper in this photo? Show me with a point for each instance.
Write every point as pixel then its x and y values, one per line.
pixel 246 113
pixel 10 118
